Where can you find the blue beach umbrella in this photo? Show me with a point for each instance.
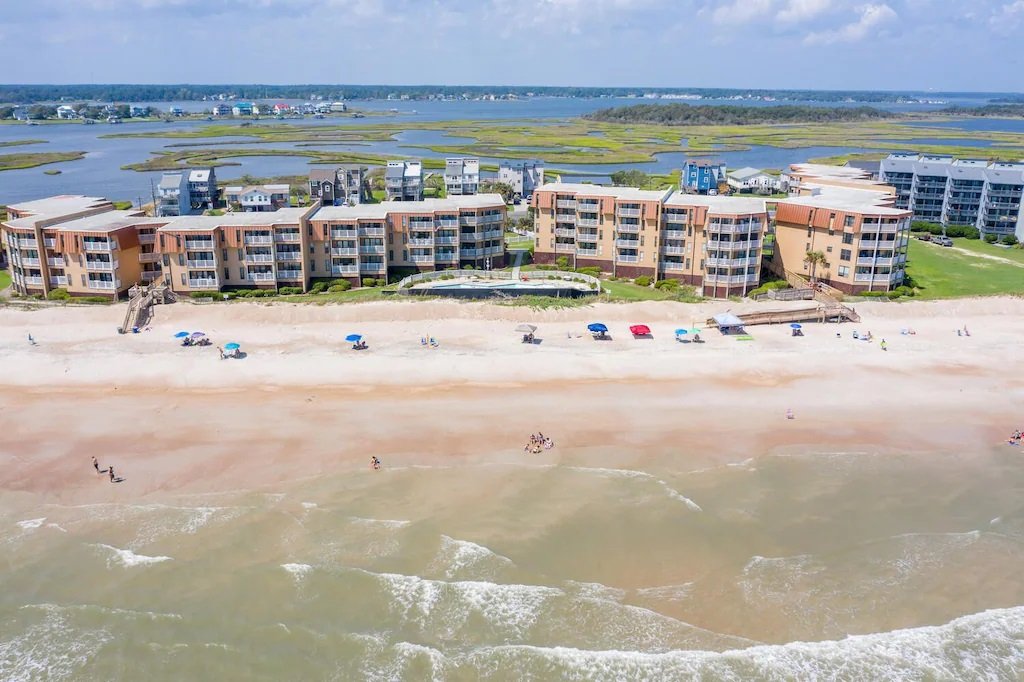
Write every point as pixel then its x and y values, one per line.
pixel 681 332
pixel 181 335
pixel 231 346
pixel 354 338
pixel 597 327
pixel 795 326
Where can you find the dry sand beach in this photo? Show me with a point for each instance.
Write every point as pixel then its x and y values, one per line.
pixel 679 515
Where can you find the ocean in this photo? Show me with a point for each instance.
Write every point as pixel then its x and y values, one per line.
pixel 812 564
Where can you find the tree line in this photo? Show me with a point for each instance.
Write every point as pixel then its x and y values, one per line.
pixel 680 114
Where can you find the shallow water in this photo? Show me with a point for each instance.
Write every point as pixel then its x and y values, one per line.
pixel 755 570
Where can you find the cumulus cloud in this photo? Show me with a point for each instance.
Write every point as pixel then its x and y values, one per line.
pixel 1007 18
pixel 741 11
pixel 796 11
pixel 872 18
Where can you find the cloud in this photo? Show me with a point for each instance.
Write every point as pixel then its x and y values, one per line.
pixel 872 18
pixel 797 11
pixel 741 11
pixel 1007 18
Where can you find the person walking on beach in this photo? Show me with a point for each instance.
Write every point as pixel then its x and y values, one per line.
pixel 96 464
pixel 31 341
pixel 221 351
pixel 111 470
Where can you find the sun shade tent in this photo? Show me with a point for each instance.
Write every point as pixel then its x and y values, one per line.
pixel 727 322
pixel 640 330
pixel 597 327
pixel 231 346
pixel 354 338
pixel 181 335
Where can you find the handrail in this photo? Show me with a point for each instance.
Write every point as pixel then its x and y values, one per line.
pixel 406 283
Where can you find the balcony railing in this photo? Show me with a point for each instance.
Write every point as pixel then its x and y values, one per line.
pixel 258 239
pixel 289 274
pixel 343 234
pixel 446 240
pixel 730 279
pixel 587 222
pixel 149 257
pixel 628 212
pixel 29 260
pixel 565 203
pixel 420 241
pixel 631 229
pixel 448 222
pixel 147 238
pixel 563 232
pixel 372 267
pixel 203 283
pixel 586 252
pixel 260 276
pixel 732 245
pixel 201 264
pixel 674 250
pixel 198 244
pixel 259 258
pixel 287 237
pixel 672 266
pixel 26 243
pixel 50 242
pixel 33 280
pixel 371 231
pixel 562 248
pixel 289 255
pixel 422 258
pixel 59 281
pixel 105 265
pixel 868 277
pixel 716 261
pixel 674 234
pixel 347 251
pixel 344 269
pixel 882 262
pixel 735 228
pixel 492 234
pixel 371 250
pixel 446 256
pixel 100 284
pixel 624 258
pixel 97 246
pixel 467 220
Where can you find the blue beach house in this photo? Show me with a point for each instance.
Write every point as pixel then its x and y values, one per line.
pixel 702 176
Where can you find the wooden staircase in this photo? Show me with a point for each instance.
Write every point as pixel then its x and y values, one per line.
pixel 140 300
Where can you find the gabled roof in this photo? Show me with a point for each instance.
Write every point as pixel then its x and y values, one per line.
pixel 745 173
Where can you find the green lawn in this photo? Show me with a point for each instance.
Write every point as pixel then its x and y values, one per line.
pixel 358 295
pixel 5 279
pixel 983 247
pixel 944 273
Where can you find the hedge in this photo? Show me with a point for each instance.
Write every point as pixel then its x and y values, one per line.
pixel 59 295
pixel 289 291
pixel 642 281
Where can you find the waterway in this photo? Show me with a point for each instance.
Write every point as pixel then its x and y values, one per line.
pixel 100 173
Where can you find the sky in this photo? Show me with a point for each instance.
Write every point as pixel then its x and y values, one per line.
pixel 942 45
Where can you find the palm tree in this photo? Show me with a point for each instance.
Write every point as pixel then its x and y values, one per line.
pixel 815 259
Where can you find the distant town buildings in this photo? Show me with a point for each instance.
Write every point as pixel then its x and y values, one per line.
pixel 949 191
pixel 461 176
pixel 65 112
pixel 702 177
pixel 522 176
pixel 242 109
pixel 403 181
pixel 221 110
pixel 345 184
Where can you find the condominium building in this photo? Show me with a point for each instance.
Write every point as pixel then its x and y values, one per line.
pixel 403 181
pixel 336 186
pixel 711 242
pixel 949 191
pixel 461 176
pixel 257 198
pixel 522 176
pixel 435 234
pixel 79 244
pixel 860 232
pixel 186 192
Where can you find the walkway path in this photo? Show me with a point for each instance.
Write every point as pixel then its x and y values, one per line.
pixel 519 261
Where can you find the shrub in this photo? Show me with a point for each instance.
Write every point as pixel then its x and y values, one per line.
pixel 469 266
pixel 59 295
pixel 965 231
pixel 542 266
pixel 1009 240
pixel 873 294
pixel 904 291
pixel 369 282
pixel 95 299
pixel 593 271
pixel 335 289
pixel 562 263
pixel 289 291
pixel 991 238
pixel 768 286
pixel 667 284
pixel 319 287
pixel 204 294
pixel 340 285
pixel 642 281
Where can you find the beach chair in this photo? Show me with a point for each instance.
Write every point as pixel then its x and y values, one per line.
pixel 423 341
pixel 433 342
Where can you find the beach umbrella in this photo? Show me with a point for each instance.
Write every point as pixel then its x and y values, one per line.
pixel 526 329
pixel 694 330
pixel 354 338
pixel 681 332
pixel 597 327
pixel 198 335
pixel 231 346
pixel 795 326
pixel 181 335
pixel 640 330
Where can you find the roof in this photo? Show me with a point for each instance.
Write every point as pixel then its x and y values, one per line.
pixel 853 200
pixel 381 210
pixel 54 207
pixel 109 221
pixel 704 163
pixel 718 204
pixel 623 193
pixel 199 175
pixel 745 173
pixel 202 223
pixel 821 170
pixel 170 180
pixel 727 320
pixel 322 175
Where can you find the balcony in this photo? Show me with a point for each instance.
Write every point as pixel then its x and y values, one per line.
pixel 289 255
pixel 730 279
pixel 372 267
pixel 198 244
pixel 734 228
pixel 290 275
pixel 881 262
pixel 203 283
pixel 467 220
pixel 446 240
pixel 627 212
pixel 344 269
pixel 149 257
pixel 730 245
pixel 100 284
pixel 563 232
pixel 201 264
pixel 672 266
pixel 627 243
pixel 674 234
pixel 33 280
pixel 630 229
pixel 258 240
pixel 565 203
pixel 422 258
pixel 560 248
pixel 59 281
pixel 26 243
pixel 587 222
pixel 446 256
pixel 588 206
pixel 287 237
pixel 29 260
pixel 102 265
pixel 259 258
pixel 50 242
pixel 625 258
pixel 448 222
pixel 260 276
pixel 473 253
pixel 371 231
pixel 104 245
pixel 716 261
pixel 147 238
pixel 372 250
pixel 345 251
pixel 343 234
pixel 150 275
pixel 674 250
pixel 882 278
pixel 421 241
pixel 586 252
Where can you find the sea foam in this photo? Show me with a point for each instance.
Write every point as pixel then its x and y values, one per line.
pixel 129 559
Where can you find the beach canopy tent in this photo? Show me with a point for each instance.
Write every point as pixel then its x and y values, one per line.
pixel 597 327
pixel 231 346
pixel 728 323
pixel 526 328
pixel 354 338
pixel 683 332
pixel 796 325
pixel 640 330
pixel 198 335
pixel 181 335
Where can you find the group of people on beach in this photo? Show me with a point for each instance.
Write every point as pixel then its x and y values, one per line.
pixel 375 463
pixel 114 478
pixel 538 442
pixel 1015 438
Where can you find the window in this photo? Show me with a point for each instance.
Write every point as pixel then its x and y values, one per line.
pixel 167 261
pixel 844 254
pixel 83 280
pixel 240 256
pixel 312 266
pixel 241 273
pixel 227 274
pixel 843 271
pixel 848 221
pixel 848 238
pixel 829 249
pixel 181 259
pixel 831 232
pixel 391 255
pixel 224 254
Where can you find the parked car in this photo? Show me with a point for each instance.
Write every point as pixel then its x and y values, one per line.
pixel 925 236
pixel 942 241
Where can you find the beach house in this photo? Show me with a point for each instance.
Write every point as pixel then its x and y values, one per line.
pixel 522 176
pixel 403 181
pixel 753 180
pixel 461 176
pixel 701 176
pixel 345 184
pixel 257 198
